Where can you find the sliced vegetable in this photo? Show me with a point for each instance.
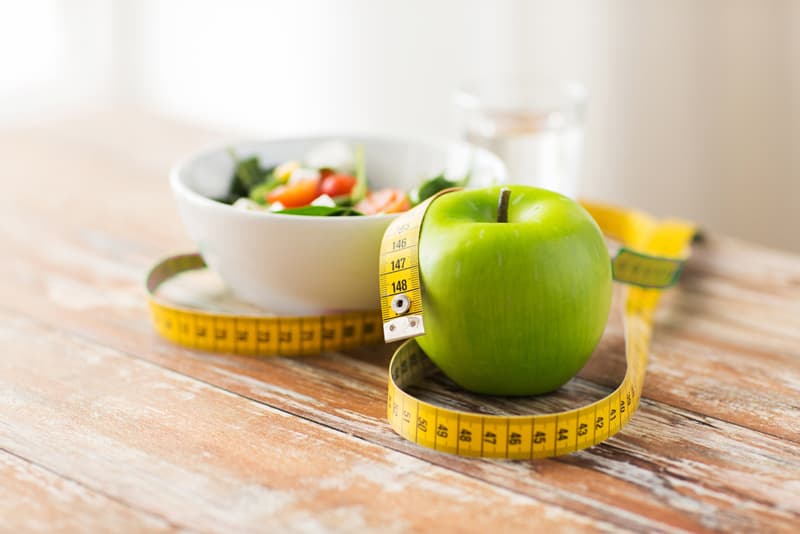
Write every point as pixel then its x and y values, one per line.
pixel 296 194
pixel 360 188
pixel 336 185
pixel 332 182
pixel 384 201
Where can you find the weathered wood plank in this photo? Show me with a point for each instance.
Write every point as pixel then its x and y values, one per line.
pixel 703 361
pixel 199 456
pixel 713 325
pixel 707 357
pixel 33 499
pixel 349 393
pixel 725 352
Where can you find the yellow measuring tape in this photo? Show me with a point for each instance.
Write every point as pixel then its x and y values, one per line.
pixel 251 334
pixel 651 259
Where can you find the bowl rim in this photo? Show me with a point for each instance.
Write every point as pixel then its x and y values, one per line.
pixel 179 187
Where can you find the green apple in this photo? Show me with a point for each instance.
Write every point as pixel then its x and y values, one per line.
pixel 516 307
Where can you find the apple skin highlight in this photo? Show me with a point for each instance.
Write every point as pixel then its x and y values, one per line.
pixel 512 308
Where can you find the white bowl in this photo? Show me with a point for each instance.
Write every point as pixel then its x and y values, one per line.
pixel 302 265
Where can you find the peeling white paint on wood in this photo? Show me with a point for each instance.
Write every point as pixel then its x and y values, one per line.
pixel 164 437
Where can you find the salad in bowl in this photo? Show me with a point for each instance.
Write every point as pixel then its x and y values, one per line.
pixel 294 225
pixel 330 181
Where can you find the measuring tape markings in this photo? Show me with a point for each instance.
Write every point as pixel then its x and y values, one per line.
pixel 398 274
pixel 530 436
pixel 250 334
pixel 493 436
pixel 650 259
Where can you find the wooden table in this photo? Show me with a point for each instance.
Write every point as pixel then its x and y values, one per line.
pixel 104 426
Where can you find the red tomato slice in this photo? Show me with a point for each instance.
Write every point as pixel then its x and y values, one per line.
pixel 295 195
pixel 336 185
pixel 384 201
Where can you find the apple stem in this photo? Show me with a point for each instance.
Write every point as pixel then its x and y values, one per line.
pixel 502 205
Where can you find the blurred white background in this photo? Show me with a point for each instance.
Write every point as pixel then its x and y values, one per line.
pixel 694 106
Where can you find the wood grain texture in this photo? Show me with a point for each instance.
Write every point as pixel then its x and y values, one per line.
pixel 35 499
pixel 205 458
pixel 715 445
